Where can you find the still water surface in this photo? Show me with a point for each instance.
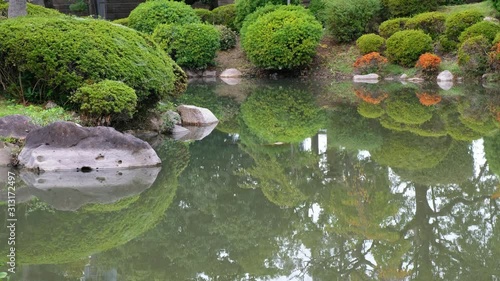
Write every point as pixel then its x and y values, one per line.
pixel 297 182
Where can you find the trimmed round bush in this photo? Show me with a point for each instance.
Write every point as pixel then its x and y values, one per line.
pixel 100 101
pixel 446 44
pixel 370 110
pixel 431 23
pixel 406 108
pixel 33 10
pixel 348 20
pixel 192 45
pixel 485 28
pixel 61 54
pixel 123 21
pixel 246 7
pixel 204 15
pixel 282 39
pixel 370 43
pixel 456 23
pixel 405 47
pixel 473 56
pixel 389 27
pixel 225 15
pixel 403 8
pixel 227 37
pixel 148 15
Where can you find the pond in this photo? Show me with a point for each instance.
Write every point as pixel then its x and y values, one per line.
pixel 299 181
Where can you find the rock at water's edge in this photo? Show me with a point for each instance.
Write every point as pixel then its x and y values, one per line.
pixel 368 78
pixel 445 76
pixel 196 116
pixel 231 73
pixel 16 126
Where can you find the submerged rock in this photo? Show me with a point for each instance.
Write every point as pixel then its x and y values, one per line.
pixel 67 146
pixel 196 116
pixel 16 126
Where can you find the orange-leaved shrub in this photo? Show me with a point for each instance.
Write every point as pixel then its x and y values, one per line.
pixel 428 99
pixel 370 63
pixel 428 63
pixel 369 97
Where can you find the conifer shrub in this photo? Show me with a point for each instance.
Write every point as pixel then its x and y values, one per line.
pixel 60 54
pixel 404 8
pixel 282 39
pixel 485 28
pixel 370 43
pixel 246 7
pixel 123 21
pixel 205 15
pixel 431 23
pixel 456 23
pixel 405 47
pixel 473 56
pixel 101 101
pixel 348 20
pixel 227 37
pixel 389 27
pixel 32 10
pixel 148 15
pixel 225 15
pixel 192 45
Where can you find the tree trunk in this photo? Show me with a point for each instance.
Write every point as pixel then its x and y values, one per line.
pixel 17 8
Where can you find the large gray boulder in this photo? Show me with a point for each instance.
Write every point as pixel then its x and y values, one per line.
pixel 68 146
pixel 196 116
pixel 16 126
pixel 6 150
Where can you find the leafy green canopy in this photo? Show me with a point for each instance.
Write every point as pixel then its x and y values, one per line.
pixel 60 54
pixel 246 7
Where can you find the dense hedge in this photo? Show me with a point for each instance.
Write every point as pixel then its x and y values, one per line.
pixel 456 23
pixel 204 15
pixel 348 20
pixel 60 54
pixel 473 55
pixel 150 14
pixel 403 8
pixel 432 23
pixel 225 15
pixel 389 27
pixel 282 39
pixel 191 45
pixel 485 28
pixel 370 43
pixel 246 7
pixel 33 10
pixel 405 47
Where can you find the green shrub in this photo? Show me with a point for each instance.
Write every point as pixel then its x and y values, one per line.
pixel 370 110
pixel 317 7
pixel 123 21
pixel 192 45
pixel 227 37
pixel 225 15
pixel 101 101
pixel 405 108
pixel 431 23
pixel 246 7
pixel 456 23
pixel 405 47
pixel 33 10
pixel 282 39
pixel 403 8
pixel 150 14
pixel 370 43
pixel 485 28
pixel 389 27
pixel 204 15
pixel 473 56
pixel 496 4
pixel 348 20
pixel 60 54
pixel 446 45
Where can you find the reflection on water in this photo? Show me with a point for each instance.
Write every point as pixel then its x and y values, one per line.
pixel 387 182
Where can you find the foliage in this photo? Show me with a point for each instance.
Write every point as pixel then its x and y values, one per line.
pixel 491 148
pixel 227 37
pixel 205 15
pixel 317 7
pixel 148 15
pixel 428 63
pixel 348 20
pixel 403 8
pixel 445 44
pixel 389 27
pixel 370 63
pixel 405 47
pixel 432 23
pixel 485 28
pixel 473 56
pixel 32 9
pixel 282 39
pixel 100 101
pixel 38 114
pixel 225 15
pixel 456 23
pixel 79 6
pixel 428 99
pixel 281 115
pixel 60 54
pixel 191 45
pixel 123 21
pixel 370 110
pixel 406 108
pixel 246 7
pixel 370 43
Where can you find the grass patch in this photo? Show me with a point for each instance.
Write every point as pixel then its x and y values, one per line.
pixel 397 70
pixel 38 114
pixel 341 63
pixel 451 66
pixel 485 7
